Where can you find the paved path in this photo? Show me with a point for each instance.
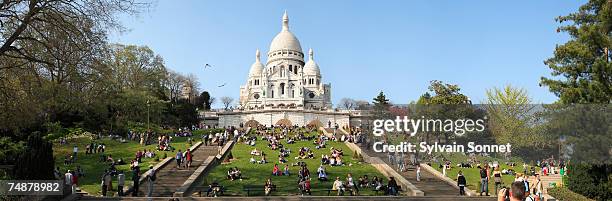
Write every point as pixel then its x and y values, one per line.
pixel 170 178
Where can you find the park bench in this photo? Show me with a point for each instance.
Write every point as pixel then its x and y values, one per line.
pixel 256 188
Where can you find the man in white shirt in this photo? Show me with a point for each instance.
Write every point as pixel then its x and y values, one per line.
pixel 68 180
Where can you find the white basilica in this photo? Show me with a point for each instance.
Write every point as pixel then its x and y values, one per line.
pixel 286 89
pixel 286 80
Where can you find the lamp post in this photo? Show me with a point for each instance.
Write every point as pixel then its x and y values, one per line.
pixel 148 116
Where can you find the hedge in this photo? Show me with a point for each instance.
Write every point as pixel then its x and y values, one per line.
pixel 564 194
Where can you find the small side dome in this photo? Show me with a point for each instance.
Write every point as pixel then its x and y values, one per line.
pixel 311 67
pixel 257 67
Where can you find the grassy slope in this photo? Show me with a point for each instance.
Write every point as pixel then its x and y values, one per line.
pixel 256 174
pixel 94 169
pixel 472 175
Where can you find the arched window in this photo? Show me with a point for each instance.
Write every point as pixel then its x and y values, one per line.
pixel 282 88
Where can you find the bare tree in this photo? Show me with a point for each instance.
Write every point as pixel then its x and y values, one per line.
pixel 175 83
pixel 227 101
pixel 211 101
pixel 347 103
pixel 191 86
pixel 362 104
pixel 25 21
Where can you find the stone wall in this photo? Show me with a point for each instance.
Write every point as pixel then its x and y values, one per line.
pixel 271 117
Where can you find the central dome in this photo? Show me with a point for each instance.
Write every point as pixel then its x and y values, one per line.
pixel 285 40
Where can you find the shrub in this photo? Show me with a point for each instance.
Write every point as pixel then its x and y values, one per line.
pixel 564 194
pixel 592 181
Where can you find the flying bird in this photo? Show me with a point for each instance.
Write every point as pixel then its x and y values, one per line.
pixel 207 66
pixel 222 85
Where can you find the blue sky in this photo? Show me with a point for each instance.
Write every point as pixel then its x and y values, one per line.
pixel 362 47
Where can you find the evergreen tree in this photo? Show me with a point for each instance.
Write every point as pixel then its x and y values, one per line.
pixel 583 63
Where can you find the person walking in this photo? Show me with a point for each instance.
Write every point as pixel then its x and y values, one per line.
pixel 120 182
pixel 150 180
pixel 136 181
pixel 484 181
pixel 179 157
pixel 497 179
pixel 188 158
pixel 418 172
pixel 68 180
pixel 107 180
pixel 75 150
pixel 461 182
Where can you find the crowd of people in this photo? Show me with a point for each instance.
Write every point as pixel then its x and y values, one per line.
pixel 276 140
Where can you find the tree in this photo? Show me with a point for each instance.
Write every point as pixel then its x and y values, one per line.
pixel 192 86
pixel 347 103
pixel 512 119
pixel 510 112
pixel 205 101
pixel 583 63
pixel 24 21
pixel 445 101
pixel 227 101
pixel 174 83
pixel 381 104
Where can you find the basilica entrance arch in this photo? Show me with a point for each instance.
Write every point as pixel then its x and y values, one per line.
pixel 284 122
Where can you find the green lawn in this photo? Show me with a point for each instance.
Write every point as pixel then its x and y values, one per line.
pixel 472 175
pixel 256 174
pixel 94 169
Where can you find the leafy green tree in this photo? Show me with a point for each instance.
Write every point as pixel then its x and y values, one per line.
pixel 583 63
pixel 510 111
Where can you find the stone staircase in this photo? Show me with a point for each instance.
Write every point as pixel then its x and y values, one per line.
pixel 170 178
pixel 546 183
pixel 431 185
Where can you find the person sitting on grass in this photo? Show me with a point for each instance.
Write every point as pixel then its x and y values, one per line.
pixel 268 187
pixel 252 160
pixel 364 183
pixel 322 174
pixel 281 159
pixel 286 170
pixel 338 186
pixel 310 154
pixel 377 183
pixel 339 161
pixel 276 171
pixel 263 160
pixel 255 152
pixel 324 159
